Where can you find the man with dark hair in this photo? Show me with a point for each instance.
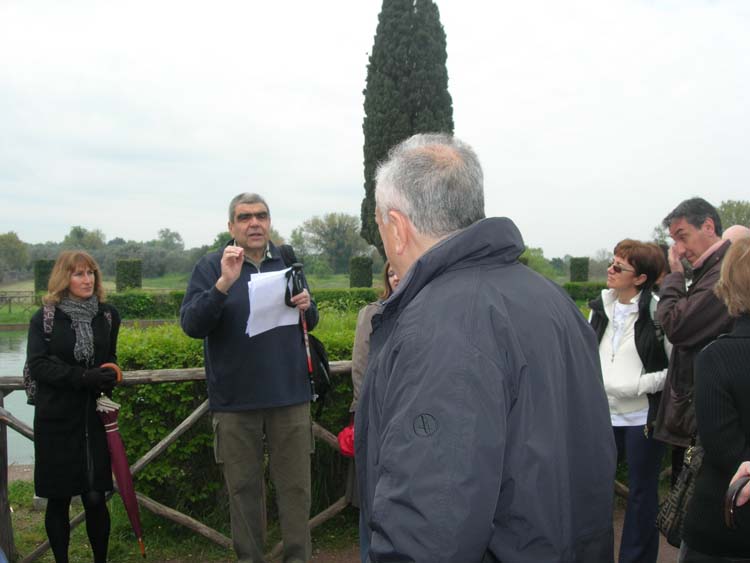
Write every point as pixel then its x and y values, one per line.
pixel 257 385
pixel 482 431
pixel 690 317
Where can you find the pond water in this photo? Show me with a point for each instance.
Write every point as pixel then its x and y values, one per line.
pixel 12 358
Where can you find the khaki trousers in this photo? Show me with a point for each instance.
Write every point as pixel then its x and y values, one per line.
pixel 238 447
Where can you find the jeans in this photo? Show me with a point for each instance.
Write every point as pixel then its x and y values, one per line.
pixel 640 538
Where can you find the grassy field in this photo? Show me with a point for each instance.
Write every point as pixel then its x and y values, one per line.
pixel 164 540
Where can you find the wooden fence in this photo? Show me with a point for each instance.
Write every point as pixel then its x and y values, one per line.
pixel 24 299
pixel 10 384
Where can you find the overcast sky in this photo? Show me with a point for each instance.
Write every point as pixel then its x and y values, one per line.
pixel 592 119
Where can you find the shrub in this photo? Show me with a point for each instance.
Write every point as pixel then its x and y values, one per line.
pixel 352 299
pixel 138 304
pixel 579 269
pixel 128 275
pixel 42 271
pixel 186 476
pixel 584 291
pixel 360 271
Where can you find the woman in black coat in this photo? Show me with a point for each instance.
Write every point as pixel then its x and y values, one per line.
pixel 722 410
pixel 70 446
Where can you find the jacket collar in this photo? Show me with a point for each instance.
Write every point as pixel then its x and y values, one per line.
pixel 710 261
pixel 741 327
pixel 495 240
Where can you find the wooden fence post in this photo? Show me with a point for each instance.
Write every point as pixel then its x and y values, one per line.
pixel 6 524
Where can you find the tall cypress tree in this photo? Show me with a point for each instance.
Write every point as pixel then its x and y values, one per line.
pixel 407 89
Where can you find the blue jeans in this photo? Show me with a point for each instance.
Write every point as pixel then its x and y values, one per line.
pixel 640 538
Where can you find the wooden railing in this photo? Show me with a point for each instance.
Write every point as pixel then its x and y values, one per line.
pixel 8 420
pixel 23 298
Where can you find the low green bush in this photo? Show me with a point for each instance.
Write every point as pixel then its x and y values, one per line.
pixel 129 274
pixel 186 476
pixel 138 304
pixel 352 299
pixel 584 291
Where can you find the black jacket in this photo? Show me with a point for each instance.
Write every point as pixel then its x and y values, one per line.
pixel 722 410
pixel 649 341
pixel 68 434
pixel 267 370
pixel 483 431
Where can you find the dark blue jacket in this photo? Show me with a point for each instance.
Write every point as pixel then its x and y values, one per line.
pixel 267 370
pixel 483 430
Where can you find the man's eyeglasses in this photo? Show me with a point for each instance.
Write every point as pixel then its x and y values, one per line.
pixel 260 216
pixel 619 268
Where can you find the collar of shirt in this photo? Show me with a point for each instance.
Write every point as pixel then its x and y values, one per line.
pixel 711 249
pixel 266 256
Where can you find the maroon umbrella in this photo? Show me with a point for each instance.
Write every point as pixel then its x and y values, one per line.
pixel 108 411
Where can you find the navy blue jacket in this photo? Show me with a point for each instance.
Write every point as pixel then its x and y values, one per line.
pixel 483 430
pixel 267 370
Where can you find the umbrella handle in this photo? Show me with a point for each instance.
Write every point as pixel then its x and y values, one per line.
pixel 115 368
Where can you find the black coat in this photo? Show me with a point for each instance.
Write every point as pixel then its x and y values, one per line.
pixel 483 431
pixel 722 409
pixel 70 447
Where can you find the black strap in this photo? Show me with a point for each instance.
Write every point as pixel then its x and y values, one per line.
pixel 287 254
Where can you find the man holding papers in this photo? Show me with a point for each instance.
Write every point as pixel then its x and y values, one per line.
pixel 257 378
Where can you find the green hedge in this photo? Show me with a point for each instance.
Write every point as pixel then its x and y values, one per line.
pixel 128 274
pixel 186 476
pixel 351 299
pixel 360 271
pixel 138 304
pixel 584 291
pixel 42 271
pixel 579 269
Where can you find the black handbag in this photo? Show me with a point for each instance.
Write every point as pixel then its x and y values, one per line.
pixel 672 511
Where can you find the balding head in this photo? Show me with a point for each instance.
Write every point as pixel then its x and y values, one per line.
pixel 735 233
pixel 433 179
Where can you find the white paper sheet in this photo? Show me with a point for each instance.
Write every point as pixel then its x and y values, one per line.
pixel 267 307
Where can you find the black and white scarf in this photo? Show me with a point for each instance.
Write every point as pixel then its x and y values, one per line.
pixel 82 313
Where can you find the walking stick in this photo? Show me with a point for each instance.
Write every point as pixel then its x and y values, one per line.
pixel 297 287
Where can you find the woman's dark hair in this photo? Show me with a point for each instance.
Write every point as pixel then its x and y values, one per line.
pixel 646 258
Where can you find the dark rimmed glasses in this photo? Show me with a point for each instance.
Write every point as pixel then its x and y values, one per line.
pixel 619 268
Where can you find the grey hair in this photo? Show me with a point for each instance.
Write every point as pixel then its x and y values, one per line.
pixel 435 180
pixel 245 198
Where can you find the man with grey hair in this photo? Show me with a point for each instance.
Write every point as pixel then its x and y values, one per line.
pixel 257 386
pixel 483 430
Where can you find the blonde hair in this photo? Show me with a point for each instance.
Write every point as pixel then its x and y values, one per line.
pixel 59 279
pixel 733 286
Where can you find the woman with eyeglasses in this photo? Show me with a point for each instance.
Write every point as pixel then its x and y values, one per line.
pixel 634 361
pixel 360 353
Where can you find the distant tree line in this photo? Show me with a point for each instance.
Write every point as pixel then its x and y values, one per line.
pixel 325 244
